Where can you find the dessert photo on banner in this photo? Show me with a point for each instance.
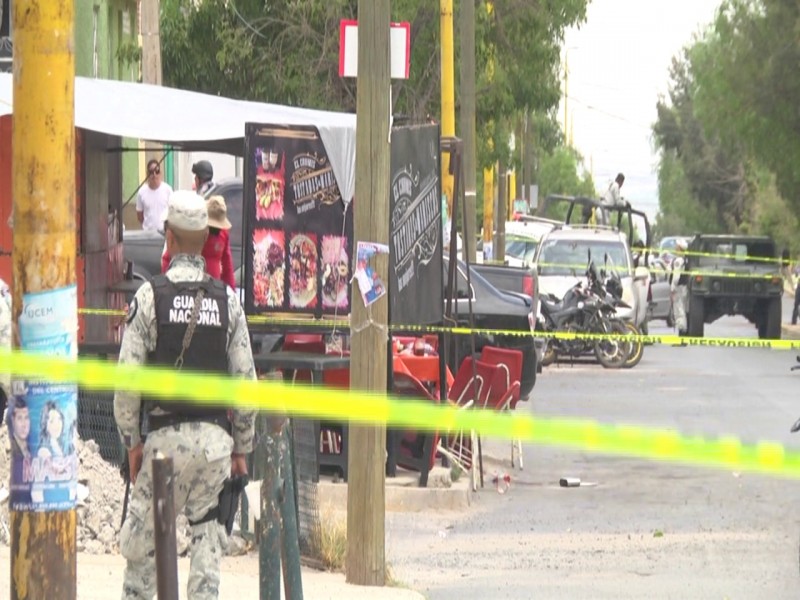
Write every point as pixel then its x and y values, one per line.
pixel 270 184
pixel 269 268
pixel 335 272
pixel 303 270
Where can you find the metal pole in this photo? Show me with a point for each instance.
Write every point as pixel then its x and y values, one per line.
pixel 448 94
pixel 290 551
pixel 43 527
pixel 468 126
pixel 272 488
pixel 164 531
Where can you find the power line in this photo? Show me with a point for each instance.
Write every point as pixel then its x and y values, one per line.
pixel 608 114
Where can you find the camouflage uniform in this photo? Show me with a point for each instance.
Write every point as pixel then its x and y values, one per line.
pixel 679 294
pixel 6 324
pixel 201 452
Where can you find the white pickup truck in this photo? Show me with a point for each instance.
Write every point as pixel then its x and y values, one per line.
pixel 562 256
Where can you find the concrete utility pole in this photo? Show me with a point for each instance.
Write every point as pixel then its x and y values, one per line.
pixel 366 492
pixel 468 126
pixel 499 246
pixel 448 94
pixel 43 547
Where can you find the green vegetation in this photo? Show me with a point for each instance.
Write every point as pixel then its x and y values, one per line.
pixel 730 160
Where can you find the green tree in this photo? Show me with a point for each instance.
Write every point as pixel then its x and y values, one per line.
pixel 748 90
pixel 714 169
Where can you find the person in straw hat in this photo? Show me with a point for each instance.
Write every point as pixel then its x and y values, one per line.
pixel 217 250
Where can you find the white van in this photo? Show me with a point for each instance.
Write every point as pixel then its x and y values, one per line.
pixel 562 256
pixel 522 239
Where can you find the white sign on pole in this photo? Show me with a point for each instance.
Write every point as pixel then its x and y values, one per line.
pixel 400 40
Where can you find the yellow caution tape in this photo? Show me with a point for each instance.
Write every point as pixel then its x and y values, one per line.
pixel 670 339
pixel 362 407
pixel 581 268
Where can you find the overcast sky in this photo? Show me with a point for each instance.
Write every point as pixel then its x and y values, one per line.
pixel 618 64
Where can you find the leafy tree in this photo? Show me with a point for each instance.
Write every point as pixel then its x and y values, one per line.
pixel 715 170
pixel 748 90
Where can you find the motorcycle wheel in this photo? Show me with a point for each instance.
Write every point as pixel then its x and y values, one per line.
pixel 612 354
pixel 635 349
pixel 549 355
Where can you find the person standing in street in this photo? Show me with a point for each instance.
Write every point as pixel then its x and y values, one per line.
pixel 152 199
pixel 203 176
pixel 678 281
pixel 217 249
pixel 183 319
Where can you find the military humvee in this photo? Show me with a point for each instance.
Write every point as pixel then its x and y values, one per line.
pixel 734 275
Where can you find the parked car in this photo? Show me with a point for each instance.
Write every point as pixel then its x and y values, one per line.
pixel 563 254
pixel 522 238
pixel 659 305
pixel 496 309
pixel 144 248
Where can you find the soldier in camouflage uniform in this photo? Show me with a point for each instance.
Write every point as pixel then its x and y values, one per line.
pixel 6 324
pixel 206 445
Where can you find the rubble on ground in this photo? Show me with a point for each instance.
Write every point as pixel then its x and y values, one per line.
pixel 99 509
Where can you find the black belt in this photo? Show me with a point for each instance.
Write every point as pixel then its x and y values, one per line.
pixel 174 420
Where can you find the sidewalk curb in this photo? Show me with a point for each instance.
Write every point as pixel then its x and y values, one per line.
pixel 402 497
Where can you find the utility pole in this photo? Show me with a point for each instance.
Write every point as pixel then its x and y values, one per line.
pixel 366 492
pixel 43 544
pixel 468 127
pixel 488 205
pixel 151 58
pixel 448 94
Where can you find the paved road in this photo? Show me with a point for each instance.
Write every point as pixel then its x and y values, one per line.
pixel 647 529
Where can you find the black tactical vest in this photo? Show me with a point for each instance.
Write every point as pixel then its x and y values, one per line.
pixel 207 351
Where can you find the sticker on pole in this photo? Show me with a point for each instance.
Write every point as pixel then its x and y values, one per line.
pixel 400 40
pixel 42 416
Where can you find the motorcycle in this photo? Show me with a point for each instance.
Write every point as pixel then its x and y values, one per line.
pixel 609 285
pixel 583 310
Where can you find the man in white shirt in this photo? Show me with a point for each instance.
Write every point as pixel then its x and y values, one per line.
pixel 153 198
pixel 612 196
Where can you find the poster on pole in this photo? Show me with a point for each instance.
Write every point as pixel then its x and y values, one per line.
pixel 416 273
pixel 298 229
pixel 42 415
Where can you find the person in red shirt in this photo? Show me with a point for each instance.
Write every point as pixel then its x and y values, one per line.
pixel 217 250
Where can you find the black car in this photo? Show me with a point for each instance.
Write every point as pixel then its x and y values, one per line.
pixel 494 309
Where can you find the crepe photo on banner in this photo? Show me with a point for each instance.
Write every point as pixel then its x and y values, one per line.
pixel 270 184
pixel 269 268
pixel 335 272
pixel 369 282
pixel 303 269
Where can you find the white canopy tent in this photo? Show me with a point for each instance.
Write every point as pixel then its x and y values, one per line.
pixel 194 121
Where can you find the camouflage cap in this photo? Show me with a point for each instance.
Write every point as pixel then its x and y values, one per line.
pixel 187 211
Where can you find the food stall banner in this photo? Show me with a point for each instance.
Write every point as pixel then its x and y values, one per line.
pixel 298 233
pixel 416 272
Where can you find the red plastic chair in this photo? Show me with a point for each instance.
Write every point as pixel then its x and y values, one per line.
pixel 510 359
pixel 511 362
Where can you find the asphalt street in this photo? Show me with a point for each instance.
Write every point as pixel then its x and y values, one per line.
pixel 645 529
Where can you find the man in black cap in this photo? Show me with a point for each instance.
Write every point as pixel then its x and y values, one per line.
pixel 203 176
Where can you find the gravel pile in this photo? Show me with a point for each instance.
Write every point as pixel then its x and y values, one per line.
pixel 99 509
